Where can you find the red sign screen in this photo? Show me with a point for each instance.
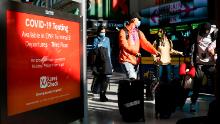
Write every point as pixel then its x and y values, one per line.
pixel 43 61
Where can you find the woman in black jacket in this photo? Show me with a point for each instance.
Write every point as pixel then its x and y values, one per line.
pixel 102 67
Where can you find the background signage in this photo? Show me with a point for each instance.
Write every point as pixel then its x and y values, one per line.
pixel 175 12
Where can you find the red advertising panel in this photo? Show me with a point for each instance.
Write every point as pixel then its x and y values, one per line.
pixel 43 61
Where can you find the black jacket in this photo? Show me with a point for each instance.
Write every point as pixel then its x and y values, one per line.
pixel 101 61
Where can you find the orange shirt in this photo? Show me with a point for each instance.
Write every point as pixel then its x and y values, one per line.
pixel 131 46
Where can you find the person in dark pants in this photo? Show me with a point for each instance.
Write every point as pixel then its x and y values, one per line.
pixel 213 113
pixel 165 47
pixel 165 91
pixel 102 66
pixel 203 58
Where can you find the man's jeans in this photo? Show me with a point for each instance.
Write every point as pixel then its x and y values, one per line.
pixel 130 70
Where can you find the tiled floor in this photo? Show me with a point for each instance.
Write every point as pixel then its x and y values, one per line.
pixel 108 113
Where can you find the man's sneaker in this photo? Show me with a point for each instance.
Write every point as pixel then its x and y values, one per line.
pixel 192 108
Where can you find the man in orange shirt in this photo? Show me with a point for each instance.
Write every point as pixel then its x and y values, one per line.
pixel 130 41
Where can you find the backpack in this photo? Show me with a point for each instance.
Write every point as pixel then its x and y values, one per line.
pixel 127 36
pixel 126 33
pixel 194 45
pixel 158 41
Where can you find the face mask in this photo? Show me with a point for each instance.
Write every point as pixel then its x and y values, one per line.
pixel 102 34
pixel 160 34
pixel 138 24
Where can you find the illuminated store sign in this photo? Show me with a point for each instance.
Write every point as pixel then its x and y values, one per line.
pixel 175 12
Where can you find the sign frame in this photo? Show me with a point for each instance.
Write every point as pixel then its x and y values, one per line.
pixel 63 112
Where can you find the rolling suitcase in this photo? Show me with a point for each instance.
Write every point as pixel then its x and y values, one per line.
pixel 131 100
pixel 168 96
pixel 165 100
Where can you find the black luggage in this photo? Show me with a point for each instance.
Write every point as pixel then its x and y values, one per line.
pixel 169 96
pixel 181 93
pixel 165 100
pixel 131 100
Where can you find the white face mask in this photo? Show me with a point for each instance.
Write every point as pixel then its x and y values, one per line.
pixel 138 24
pixel 102 34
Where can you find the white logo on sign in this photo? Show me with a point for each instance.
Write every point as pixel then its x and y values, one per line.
pixel 48 81
pixel 43 82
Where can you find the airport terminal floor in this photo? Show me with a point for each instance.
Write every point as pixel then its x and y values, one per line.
pixel 108 112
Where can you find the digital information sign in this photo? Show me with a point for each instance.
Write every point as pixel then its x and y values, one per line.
pixel 43 60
